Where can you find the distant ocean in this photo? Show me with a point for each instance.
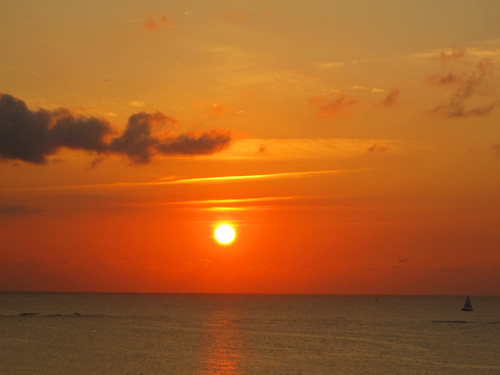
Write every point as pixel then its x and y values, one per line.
pixel 153 334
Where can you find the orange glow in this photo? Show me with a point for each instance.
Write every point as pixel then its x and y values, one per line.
pixel 368 165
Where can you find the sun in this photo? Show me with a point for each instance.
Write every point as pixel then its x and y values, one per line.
pixel 224 234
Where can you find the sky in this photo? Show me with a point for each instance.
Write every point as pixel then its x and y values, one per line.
pixel 354 146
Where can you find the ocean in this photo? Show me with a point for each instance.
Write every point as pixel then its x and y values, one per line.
pixel 153 334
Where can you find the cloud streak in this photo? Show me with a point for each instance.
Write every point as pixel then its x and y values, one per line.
pixel 179 181
pixel 250 177
pixel 34 136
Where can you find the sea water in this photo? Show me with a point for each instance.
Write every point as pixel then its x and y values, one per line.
pixel 149 334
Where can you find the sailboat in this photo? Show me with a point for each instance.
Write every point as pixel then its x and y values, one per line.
pixel 468 305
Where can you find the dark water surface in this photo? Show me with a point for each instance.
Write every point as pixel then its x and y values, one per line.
pixel 149 334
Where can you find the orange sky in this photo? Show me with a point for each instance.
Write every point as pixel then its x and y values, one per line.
pixel 354 146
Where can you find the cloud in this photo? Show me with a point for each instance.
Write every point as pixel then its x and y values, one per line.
pixel 444 79
pixel 154 24
pixel 452 54
pixel 497 147
pixel 137 103
pixel 456 110
pixel 191 143
pixel 331 108
pixel 219 110
pixel 376 148
pixel 403 260
pixel 359 87
pixel 330 65
pixel 137 141
pixel 251 177
pixel 14 209
pixel 473 90
pixel 33 136
pixel 390 98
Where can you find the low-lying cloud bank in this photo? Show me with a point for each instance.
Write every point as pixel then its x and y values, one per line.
pixel 33 136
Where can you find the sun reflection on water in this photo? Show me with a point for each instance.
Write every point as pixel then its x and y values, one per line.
pixel 223 343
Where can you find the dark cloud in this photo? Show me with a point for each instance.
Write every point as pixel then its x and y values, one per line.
pixel 391 97
pixel 137 141
pixel 80 133
pixel 497 147
pixel 33 136
pixel 195 143
pixel 403 260
pixel 472 86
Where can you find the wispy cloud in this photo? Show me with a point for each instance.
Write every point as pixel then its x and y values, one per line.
pixel 251 177
pixel 359 87
pixel 473 79
pixel 451 54
pixel 15 209
pixel 307 148
pixel 377 148
pixel 330 65
pixel 366 88
pixel 195 180
pixel 33 136
pixel 332 107
pixel 156 23
pixel 234 200
pixel 137 103
pixel 235 204
pixel 391 98
pixel 448 78
pixel 255 203
pixel 179 181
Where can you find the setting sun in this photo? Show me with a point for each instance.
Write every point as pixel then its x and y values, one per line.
pixel 224 234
